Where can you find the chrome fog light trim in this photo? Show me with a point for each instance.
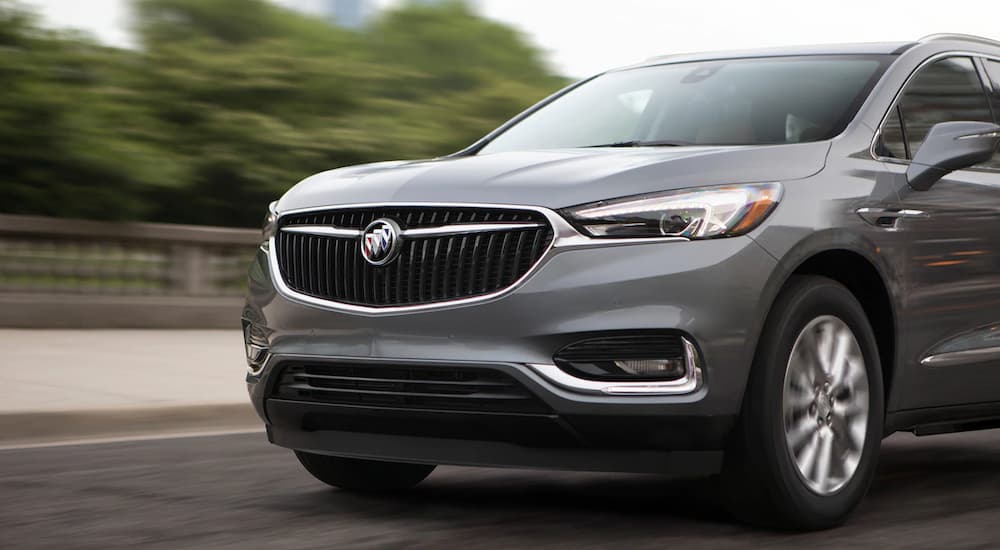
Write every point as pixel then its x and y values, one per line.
pixel 689 383
pixel 257 357
pixel 258 350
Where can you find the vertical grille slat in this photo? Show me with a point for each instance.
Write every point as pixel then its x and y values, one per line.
pixel 311 263
pixel 429 268
pixel 336 283
pixel 488 264
pixel 356 271
pixel 518 252
pixel 504 247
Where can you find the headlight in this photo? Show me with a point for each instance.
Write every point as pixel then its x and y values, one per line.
pixel 270 225
pixel 700 213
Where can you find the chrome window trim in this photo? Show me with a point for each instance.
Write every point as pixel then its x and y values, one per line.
pixel 564 237
pixel 689 383
pixel 885 116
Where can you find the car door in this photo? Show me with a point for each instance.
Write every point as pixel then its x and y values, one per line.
pixel 950 319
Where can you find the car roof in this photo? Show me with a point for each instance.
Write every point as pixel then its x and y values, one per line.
pixel 861 48
pixel 882 48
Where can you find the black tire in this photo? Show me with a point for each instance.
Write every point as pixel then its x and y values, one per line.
pixel 355 474
pixel 761 483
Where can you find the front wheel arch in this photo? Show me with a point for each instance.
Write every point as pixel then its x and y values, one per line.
pixel 855 263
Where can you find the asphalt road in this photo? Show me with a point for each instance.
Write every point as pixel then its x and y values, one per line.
pixel 237 491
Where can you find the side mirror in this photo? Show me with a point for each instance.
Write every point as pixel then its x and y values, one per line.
pixel 951 146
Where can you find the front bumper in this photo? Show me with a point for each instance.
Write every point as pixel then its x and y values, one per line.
pixel 709 290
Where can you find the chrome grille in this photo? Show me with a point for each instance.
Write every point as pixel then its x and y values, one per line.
pixel 429 268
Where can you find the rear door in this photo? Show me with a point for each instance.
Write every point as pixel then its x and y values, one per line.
pixel 950 322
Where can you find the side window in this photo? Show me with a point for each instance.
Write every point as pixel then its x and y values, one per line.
pixel 893 143
pixel 944 91
pixel 993 70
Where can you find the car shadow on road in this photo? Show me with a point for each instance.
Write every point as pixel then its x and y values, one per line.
pixel 927 480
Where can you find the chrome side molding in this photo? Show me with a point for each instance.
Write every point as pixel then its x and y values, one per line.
pixel 962 357
pixel 886 218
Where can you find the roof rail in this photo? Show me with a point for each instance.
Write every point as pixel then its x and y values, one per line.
pixel 962 37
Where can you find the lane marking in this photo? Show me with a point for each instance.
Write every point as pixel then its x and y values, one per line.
pixel 128 439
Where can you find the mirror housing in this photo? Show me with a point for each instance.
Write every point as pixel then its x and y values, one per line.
pixel 951 146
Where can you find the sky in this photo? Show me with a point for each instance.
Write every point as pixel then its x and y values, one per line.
pixel 584 37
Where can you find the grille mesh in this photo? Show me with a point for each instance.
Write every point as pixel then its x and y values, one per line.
pixel 428 269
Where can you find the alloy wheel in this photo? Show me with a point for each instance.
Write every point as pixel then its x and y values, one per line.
pixel 825 404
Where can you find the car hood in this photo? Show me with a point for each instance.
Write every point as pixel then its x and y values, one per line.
pixel 555 178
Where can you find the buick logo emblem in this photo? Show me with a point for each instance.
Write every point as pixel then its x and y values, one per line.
pixel 380 241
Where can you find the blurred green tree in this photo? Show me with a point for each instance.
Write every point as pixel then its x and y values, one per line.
pixel 227 103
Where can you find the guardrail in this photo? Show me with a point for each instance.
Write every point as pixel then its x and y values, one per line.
pixel 80 273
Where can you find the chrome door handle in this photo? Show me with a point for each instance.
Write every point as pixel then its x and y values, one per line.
pixel 886 218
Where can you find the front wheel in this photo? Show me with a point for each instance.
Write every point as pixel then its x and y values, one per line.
pixel 805 449
pixel 355 474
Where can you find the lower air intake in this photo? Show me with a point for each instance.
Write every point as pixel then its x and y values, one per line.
pixel 444 388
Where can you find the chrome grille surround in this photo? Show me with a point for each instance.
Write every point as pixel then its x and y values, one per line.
pixel 444 253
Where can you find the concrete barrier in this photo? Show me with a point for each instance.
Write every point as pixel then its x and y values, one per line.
pixel 59 273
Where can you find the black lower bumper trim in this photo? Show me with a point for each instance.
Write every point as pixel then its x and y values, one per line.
pixel 640 443
pixel 522 429
pixel 493 454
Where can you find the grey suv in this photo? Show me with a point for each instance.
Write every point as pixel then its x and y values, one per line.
pixel 752 264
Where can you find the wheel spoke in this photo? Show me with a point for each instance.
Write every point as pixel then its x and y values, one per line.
pixel 807 459
pixel 856 404
pixel 853 374
pixel 824 460
pixel 848 434
pixel 824 348
pixel 801 431
pixel 858 429
pixel 800 397
pixel 839 365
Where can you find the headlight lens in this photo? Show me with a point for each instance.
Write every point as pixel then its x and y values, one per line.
pixel 700 213
pixel 270 225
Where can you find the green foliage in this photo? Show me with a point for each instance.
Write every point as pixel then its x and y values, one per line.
pixel 227 103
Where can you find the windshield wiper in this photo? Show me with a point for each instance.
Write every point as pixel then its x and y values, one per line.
pixel 638 143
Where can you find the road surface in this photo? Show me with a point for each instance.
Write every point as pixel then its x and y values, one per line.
pixel 236 491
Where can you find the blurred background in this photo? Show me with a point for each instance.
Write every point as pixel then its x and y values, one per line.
pixel 201 112
pixel 140 143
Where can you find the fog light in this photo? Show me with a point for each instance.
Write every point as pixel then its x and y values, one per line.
pixel 257 347
pixel 654 368
pixel 643 363
pixel 637 356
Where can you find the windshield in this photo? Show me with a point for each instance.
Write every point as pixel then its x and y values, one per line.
pixel 754 101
